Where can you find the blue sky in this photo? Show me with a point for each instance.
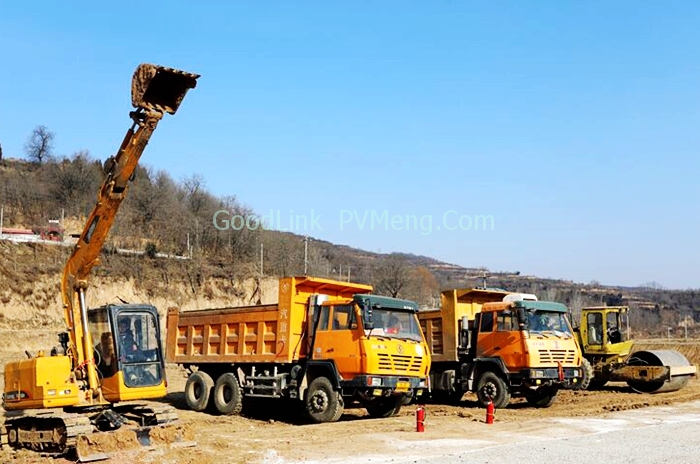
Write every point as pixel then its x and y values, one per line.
pixel 575 125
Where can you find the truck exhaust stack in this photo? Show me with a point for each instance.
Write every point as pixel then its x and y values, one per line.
pixel 157 88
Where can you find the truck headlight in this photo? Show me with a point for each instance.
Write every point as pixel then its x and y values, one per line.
pixel 374 381
pixel 537 374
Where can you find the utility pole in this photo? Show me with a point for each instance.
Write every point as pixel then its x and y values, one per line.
pixel 306 254
pixel 668 331
pixel 261 259
pixel 348 273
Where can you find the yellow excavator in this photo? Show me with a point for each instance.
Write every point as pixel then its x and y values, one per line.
pixel 110 357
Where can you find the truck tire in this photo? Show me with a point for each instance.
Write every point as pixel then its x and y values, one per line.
pixel 322 401
pixel 543 397
pixel 492 387
pixel 588 374
pixel 336 418
pixel 228 398
pixel 385 407
pixel 198 390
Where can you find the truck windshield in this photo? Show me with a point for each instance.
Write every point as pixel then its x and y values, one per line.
pixel 545 321
pixel 395 323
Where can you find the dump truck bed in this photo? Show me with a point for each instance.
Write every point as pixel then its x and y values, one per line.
pixel 251 334
pixel 441 326
pixel 230 335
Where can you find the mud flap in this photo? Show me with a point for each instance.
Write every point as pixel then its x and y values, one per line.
pixel 103 445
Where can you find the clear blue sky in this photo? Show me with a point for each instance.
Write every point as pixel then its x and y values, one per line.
pixel 575 125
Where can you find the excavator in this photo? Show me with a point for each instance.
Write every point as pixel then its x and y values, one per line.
pixel 88 389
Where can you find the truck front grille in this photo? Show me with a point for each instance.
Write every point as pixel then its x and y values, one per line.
pixel 398 362
pixel 553 356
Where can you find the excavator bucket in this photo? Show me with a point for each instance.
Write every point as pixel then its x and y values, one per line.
pixel 119 443
pixel 157 88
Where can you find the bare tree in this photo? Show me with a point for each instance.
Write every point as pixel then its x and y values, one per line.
pixel 73 182
pixel 549 294
pixel 575 304
pixel 392 275
pixel 423 288
pixel 39 147
pixel 195 191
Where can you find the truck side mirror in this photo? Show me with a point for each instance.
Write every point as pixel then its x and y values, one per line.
pixel 367 320
pixel 522 318
pixel 464 341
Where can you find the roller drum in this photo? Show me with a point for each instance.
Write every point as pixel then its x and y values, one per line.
pixel 669 358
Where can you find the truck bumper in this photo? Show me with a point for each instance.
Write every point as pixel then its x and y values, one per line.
pixel 382 385
pixel 569 376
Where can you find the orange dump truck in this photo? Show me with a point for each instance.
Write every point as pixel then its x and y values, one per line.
pixel 326 343
pixel 499 344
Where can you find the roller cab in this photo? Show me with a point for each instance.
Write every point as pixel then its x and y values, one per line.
pixel 605 338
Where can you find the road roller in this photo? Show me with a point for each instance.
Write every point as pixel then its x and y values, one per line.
pixel 605 340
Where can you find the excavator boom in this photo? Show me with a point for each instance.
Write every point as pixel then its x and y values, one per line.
pixel 155 90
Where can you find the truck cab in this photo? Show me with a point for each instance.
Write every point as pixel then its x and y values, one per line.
pixel 376 346
pixel 530 345
pixel 500 344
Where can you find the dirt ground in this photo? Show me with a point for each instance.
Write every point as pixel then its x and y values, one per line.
pixel 270 432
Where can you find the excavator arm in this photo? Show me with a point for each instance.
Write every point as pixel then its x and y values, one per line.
pixel 155 90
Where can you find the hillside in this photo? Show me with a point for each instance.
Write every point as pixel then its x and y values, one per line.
pixel 162 217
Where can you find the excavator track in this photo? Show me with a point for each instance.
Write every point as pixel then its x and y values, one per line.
pixel 49 432
pixel 55 434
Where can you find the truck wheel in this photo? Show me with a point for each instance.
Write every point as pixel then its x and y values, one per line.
pixel 322 402
pixel 336 418
pixel 493 387
pixel 385 407
pixel 588 374
pixel 198 390
pixel 542 397
pixel 227 395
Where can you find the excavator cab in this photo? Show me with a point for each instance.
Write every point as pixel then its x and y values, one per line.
pixel 128 351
